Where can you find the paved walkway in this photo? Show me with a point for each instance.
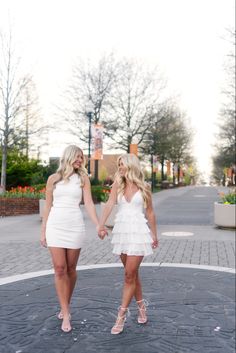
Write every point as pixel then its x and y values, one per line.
pixel 19 236
pixel 191 309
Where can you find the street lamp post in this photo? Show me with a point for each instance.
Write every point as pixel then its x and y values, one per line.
pixel 129 131
pixel 151 152
pixel 89 115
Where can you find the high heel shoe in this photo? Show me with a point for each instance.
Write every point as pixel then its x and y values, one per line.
pixel 120 321
pixel 60 316
pixel 142 317
pixel 66 326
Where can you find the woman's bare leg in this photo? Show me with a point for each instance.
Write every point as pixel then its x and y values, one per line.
pixel 131 274
pixel 131 264
pixel 142 317
pixel 138 288
pixel 62 284
pixel 72 256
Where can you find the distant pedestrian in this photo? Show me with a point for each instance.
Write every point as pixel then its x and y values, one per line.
pixel 63 229
pixel 132 238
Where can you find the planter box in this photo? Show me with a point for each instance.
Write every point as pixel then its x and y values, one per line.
pixel 224 215
pixel 165 184
pixel 110 220
pixel 18 206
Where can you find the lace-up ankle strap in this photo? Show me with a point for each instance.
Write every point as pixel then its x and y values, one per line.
pixel 142 308
pixel 125 310
pixel 143 301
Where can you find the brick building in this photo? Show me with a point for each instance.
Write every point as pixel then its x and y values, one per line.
pixel 107 166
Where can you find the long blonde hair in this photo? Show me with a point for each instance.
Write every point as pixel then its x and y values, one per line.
pixel 134 174
pixel 66 169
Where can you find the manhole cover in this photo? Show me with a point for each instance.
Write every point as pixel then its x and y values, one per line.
pixel 177 234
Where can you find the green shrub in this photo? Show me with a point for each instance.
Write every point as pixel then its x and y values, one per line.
pixel 100 193
pixel 229 198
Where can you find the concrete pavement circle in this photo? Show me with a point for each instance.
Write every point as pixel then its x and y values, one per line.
pixel 190 310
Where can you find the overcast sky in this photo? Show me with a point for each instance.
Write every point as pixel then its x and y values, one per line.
pixel 186 38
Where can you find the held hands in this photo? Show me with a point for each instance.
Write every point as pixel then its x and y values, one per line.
pixel 102 232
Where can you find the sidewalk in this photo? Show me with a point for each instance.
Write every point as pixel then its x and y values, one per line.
pixel 189 282
pixel 20 251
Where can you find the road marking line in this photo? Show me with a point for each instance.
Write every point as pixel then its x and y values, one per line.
pixel 29 275
pixel 178 234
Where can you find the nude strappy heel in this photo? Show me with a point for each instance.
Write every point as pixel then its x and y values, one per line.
pixel 60 316
pixel 120 321
pixel 66 326
pixel 142 317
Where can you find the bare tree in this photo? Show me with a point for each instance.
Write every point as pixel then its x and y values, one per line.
pixel 11 87
pixel 135 96
pixel 168 137
pixel 89 91
pixel 180 147
pixel 31 127
pixel 225 145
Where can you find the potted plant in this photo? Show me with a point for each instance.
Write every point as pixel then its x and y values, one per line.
pixel 224 210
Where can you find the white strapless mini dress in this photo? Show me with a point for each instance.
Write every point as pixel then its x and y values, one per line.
pixel 131 234
pixel 65 225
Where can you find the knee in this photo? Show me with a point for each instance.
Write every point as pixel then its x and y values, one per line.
pixel 60 270
pixel 130 277
pixel 71 270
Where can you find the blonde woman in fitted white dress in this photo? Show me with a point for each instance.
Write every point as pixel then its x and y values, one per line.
pixel 63 230
pixel 132 237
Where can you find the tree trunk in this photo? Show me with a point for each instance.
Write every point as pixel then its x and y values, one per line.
pixel 162 169
pixel 173 171
pixel 178 176
pixel 152 172
pixel 96 169
pixel 4 168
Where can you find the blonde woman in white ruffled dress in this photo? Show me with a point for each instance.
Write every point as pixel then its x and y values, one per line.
pixel 132 237
pixel 63 230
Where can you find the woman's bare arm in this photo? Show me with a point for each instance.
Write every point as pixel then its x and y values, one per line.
pixel 150 215
pixel 88 201
pixel 47 207
pixel 109 205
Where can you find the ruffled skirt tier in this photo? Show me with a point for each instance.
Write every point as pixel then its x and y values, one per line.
pixel 131 234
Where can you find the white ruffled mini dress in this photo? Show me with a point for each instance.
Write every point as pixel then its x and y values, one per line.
pixel 65 225
pixel 131 234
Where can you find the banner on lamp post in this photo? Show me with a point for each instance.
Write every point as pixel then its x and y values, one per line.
pixel 155 164
pixel 97 141
pixel 133 148
pixel 168 168
pixel 229 172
